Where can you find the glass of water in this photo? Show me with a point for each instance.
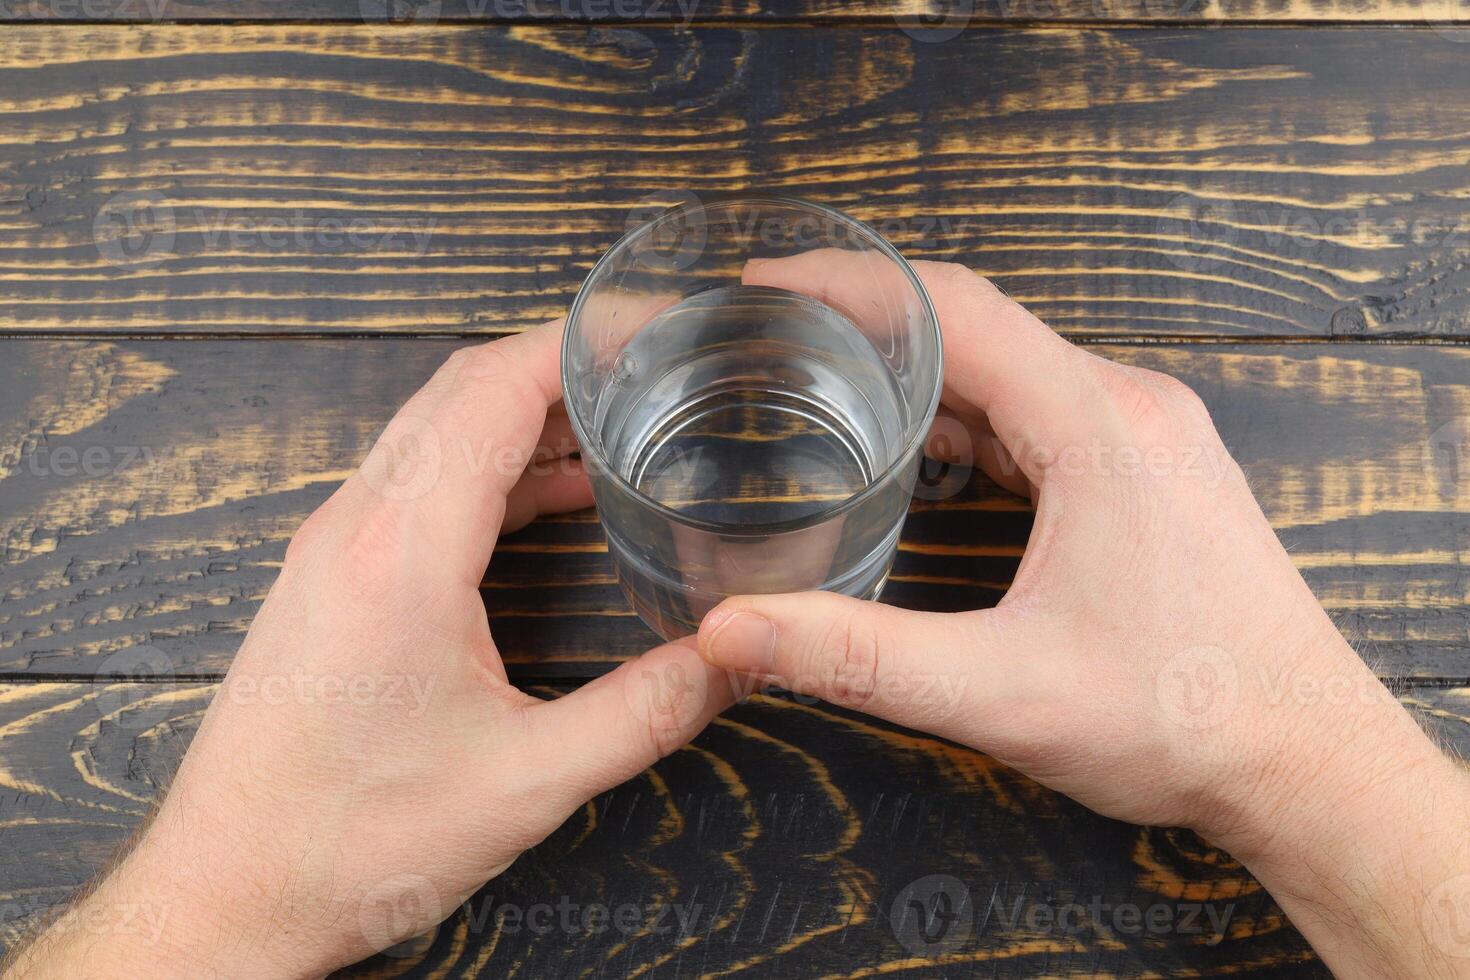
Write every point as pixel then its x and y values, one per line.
pixel 750 381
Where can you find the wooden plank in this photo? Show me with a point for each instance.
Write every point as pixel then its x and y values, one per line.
pixel 148 489
pixel 785 836
pixel 289 178
pixel 933 20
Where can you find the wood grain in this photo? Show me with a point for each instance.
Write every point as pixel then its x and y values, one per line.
pixel 785 835
pixel 148 489
pixel 931 19
pixel 459 174
pixel 288 179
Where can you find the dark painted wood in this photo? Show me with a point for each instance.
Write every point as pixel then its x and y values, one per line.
pixel 932 20
pixel 148 489
pixel 785 836
pixel 1174 185
pixel 464 179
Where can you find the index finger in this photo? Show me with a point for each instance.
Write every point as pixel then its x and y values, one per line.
pixel 999 359
pixel 445 463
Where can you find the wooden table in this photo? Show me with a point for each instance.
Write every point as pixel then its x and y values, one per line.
pixel 1267 198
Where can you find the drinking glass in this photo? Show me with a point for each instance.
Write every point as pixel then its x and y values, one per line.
pixel 750 381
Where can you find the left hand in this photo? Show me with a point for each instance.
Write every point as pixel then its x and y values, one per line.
pixel 366 766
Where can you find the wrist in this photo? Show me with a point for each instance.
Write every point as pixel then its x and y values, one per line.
pixel 171 916
pixel 193 899
pixel 223 911
pixel 1309 730
pixel 1375 879
pixel 1352 820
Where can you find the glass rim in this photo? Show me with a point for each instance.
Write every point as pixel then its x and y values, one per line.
pixel 590 447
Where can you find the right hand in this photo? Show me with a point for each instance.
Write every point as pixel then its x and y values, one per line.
pixel 1158 657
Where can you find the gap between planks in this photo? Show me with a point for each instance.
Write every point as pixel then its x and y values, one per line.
pixel 1082 339
pixel 857 23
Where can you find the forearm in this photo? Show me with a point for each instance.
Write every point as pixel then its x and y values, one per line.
pixel 111 932
pixel 1367 845
pixel 172 912
pixel 1379 894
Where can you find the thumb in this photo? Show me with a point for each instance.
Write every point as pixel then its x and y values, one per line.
pixel 612 728
pixel 921 670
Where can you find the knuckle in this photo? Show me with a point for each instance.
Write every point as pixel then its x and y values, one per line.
pixel 667 701
pixel 457 357
pixel 951 271
pixel 1138 404
pixel 1183 405
pixel 489 368
pixel 665 732
pixel 1133 400
pixel 960 276
pixel 484 362
pixel 492 366
pixel 447 373
pixel 311 533
pixel 850 653
pixel 368 555
pixel 303 542
pixel 1190 403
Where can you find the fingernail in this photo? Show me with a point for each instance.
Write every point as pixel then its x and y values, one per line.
pixel 744 642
